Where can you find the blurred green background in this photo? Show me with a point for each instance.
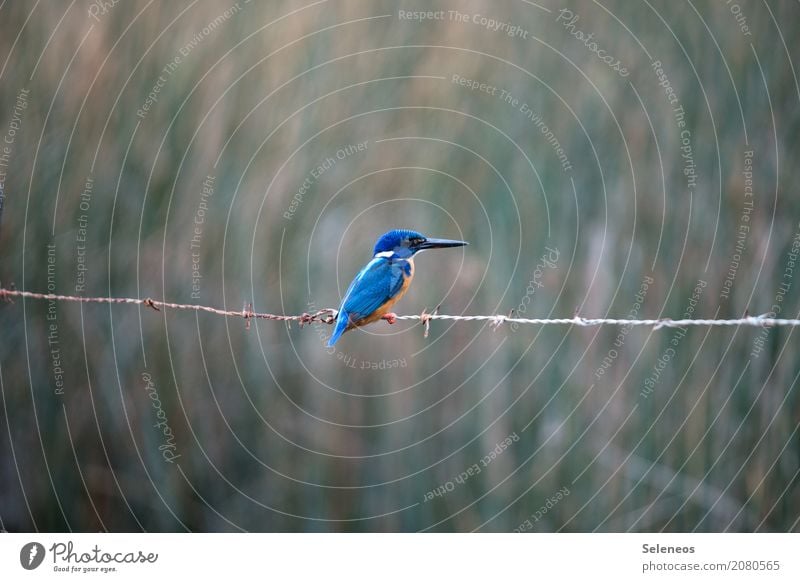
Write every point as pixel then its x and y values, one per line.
pixel 208 153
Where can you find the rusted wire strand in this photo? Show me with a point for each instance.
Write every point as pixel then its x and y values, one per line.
pixel 328 316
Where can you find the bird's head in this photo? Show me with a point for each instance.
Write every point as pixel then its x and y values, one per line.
pixel 402 244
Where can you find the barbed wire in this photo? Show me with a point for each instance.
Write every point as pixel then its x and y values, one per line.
pixel 328 316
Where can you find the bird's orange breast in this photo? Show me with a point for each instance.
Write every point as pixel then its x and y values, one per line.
pixel 386 307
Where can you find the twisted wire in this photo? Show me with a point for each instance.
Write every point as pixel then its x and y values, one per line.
pixel 328 316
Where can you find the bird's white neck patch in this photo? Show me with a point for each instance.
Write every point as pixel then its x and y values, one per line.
pixel 384 255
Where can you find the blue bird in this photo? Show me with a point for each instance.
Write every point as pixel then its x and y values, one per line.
pixel 384 280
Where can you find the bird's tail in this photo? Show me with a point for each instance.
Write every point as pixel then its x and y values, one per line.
pixel 339 327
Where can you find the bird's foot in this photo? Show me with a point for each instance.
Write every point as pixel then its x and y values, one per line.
pixel 391 318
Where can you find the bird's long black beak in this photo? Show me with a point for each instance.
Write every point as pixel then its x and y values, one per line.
pixel 439 243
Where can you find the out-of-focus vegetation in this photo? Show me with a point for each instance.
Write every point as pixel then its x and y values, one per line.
pixel 209 153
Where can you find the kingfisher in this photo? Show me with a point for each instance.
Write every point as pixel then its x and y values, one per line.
pixel 384 280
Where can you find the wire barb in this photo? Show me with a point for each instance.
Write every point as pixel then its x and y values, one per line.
pixel 496 322
pixel 663 322
pixel 247 313
pixel 425 318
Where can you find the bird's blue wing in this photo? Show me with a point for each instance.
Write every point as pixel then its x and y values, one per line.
pixel 378 282
pixel 374 285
